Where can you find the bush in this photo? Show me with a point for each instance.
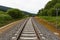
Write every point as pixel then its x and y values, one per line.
pixel 15 13
pixel 5 17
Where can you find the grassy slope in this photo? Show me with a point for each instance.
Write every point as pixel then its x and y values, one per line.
pixel 52 20
pixel 6 19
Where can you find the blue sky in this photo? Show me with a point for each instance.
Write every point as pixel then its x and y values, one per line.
pixel 27 5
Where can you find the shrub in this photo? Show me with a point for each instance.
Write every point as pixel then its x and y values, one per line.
pixel 5 17
pixel 15 13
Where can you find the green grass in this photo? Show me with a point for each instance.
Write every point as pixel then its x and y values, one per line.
pixel 6 19
pixel 52 19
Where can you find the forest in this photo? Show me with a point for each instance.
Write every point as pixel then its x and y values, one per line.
pixel 51 12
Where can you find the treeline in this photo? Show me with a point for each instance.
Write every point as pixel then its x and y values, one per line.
pixel 10 15
pixel 50 9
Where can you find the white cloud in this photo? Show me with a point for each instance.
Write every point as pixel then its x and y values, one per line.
pixel 26 5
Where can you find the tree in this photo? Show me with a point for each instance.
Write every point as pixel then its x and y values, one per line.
pixel 40 12
pixel 50 4
pixel 50 8
pixel 52 12
pixel 44 13
pixel 15 13
pixel 58 1
pixel 5 17
pixel 58 7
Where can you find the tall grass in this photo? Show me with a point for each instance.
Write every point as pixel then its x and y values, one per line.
pixel 4 19
pixel 53 19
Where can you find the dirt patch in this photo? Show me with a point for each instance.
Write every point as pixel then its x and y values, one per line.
pixel 7 27
pixel 48 26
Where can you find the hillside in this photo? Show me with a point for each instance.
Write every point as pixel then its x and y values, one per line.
pixel 4 8
pixel 51 13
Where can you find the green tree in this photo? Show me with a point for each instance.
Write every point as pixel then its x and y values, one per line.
pixel 52 12
pixel 50 4
pixel 40 12
pixel 58 7
pixel 44 13
pixel 15 13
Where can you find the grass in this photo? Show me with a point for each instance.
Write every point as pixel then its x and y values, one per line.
pixel 2 23
pixel 52 19
pixel 6 19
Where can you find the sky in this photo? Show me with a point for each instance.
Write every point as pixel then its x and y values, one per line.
pixel 32 6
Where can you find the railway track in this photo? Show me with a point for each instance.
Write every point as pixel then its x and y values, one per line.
pixel 29 29
pixel 45 34
pixel 28 32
